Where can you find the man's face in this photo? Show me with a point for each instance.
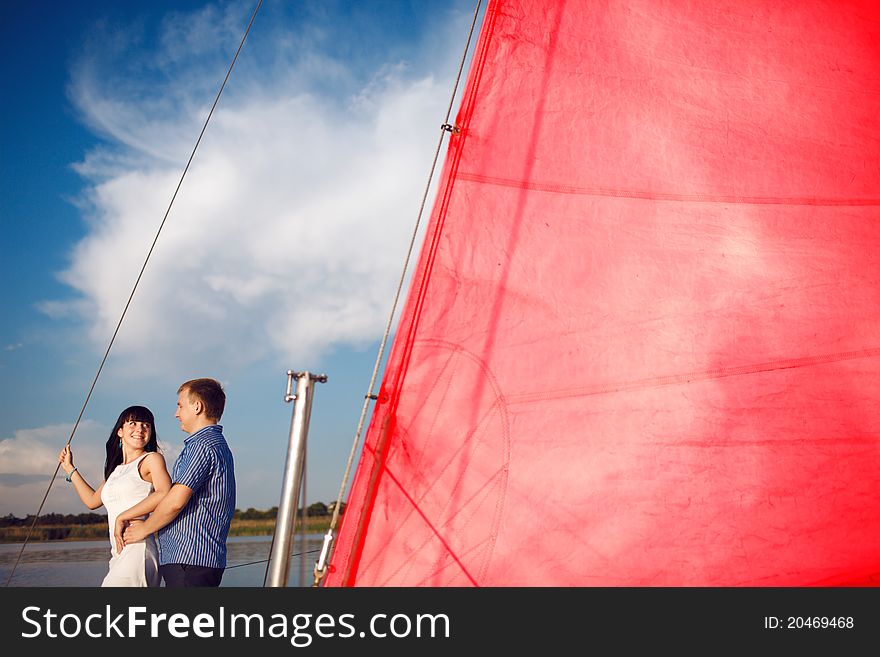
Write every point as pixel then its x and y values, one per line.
pixel 187 411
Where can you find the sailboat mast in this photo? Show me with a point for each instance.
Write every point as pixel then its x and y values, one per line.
pixel 278 570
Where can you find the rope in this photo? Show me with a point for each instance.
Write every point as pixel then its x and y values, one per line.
pixel 445 128
pixel 137 282
pixel 252 563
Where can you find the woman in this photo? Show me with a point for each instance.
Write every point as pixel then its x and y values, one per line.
pixel 135 480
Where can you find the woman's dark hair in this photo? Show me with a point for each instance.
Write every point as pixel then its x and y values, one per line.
pixel 114 451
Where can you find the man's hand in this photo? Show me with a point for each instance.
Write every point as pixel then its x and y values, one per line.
pixel 133 532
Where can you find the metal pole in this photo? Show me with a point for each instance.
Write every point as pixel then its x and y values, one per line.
pixel 278 570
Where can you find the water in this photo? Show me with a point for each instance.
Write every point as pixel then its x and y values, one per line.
pixel 84 563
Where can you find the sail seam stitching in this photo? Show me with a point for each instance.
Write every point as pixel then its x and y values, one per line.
pixel 679 379
pixel 557 188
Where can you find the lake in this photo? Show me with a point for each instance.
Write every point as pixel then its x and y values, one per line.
pixel 84 563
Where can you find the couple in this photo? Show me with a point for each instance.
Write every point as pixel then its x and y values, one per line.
pixel 191 510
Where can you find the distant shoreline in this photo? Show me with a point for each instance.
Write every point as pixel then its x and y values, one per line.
pixel 99 531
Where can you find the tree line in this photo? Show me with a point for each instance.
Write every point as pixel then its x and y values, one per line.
pixel 313 510
pixel 55 519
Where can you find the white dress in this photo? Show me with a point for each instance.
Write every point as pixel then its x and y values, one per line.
pixel 138 563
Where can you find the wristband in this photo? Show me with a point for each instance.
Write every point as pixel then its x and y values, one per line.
pixel 67 478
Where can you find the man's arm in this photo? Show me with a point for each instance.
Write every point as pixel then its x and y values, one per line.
pixel 167 510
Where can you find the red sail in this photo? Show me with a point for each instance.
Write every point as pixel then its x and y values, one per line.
pixel 642 345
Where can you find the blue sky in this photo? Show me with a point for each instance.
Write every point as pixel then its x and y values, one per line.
pixel 282 250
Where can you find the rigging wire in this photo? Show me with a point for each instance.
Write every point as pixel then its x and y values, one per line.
pixel 252 563
pixel 445 128
pixel 136 283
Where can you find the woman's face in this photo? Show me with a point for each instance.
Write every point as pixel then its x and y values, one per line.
pixel 135 434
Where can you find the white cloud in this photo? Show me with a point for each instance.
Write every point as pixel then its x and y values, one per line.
pixel 35 451
pixel 288 235
pixel 29 457
pixel 170 451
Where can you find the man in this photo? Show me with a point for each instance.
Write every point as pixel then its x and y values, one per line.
pixel 193 518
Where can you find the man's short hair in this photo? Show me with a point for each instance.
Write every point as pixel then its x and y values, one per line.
pixel 210 393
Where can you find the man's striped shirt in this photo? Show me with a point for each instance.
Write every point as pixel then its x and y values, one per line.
pixel 197 536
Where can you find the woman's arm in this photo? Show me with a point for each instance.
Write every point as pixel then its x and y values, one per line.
pixel 89 496
pixel 152 469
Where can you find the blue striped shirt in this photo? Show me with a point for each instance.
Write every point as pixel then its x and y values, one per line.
pixel 197 536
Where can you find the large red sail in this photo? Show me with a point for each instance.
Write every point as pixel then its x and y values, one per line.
pixel 642 345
